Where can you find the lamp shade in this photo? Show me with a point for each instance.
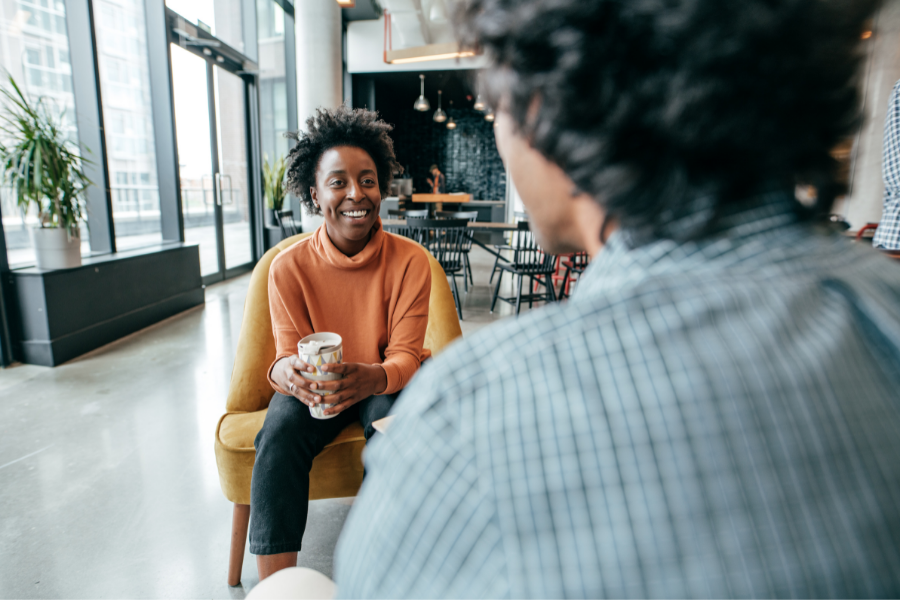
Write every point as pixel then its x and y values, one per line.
pixel 422 104
pixel 439 115
pixel 479 103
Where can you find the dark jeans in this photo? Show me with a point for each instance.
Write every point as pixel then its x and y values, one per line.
pixel 286 445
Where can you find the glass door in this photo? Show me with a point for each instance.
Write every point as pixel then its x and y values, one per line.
pixel 211 125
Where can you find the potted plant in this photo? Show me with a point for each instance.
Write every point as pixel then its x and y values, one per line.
pixel 274 186
pixel 39 163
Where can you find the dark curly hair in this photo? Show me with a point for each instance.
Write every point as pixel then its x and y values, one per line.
pixel 659 107
pixel 328 129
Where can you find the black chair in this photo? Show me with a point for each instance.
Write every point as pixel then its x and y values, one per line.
pixel 519 217
pixel 445 239
pixel 408 214
pixel 471 216
pixel 529 260
pixel 285 221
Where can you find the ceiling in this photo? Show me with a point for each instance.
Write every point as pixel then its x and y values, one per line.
pixel 365 10
pixel 414 22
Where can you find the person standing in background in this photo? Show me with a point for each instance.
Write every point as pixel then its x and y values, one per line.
pixel 436 181
pixel 887 236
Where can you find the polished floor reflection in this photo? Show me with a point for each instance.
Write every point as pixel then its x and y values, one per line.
pixel 108 482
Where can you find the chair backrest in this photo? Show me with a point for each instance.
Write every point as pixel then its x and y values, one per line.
pixel 527 253
pixel 446 239
pixel 468 215
pixel 408 214
pixel 285 221
pixel 250 390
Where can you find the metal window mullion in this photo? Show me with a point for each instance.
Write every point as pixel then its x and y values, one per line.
pixel 218 209
pixel 89 117
pixel 290 80
pixel 163 106
pixel 6 350
pixel 254 181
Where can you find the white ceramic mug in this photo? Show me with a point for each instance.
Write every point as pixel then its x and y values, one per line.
pixel 331 351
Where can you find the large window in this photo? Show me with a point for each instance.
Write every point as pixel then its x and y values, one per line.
pixel 34 50
pixel 273 109
pixel 125 93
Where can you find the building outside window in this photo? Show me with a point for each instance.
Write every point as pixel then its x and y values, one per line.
pixel 127 113
pixel 34 50
pixel 273 111
pixel 219 17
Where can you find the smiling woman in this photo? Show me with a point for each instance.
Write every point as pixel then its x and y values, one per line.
pixel 350 278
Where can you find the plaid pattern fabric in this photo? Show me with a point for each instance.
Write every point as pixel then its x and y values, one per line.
pixel 709 419
pixel 888 233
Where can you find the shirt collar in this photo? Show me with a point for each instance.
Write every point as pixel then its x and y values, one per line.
pixel 751 229
pixel 332 255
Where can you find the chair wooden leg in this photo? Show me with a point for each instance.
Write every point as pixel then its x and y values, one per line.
pixel 465 274
pixel 551 289
pixel 496 291
pixel 456 297
pixel 564 288
pixel 519 295
pixel 494 270
pixel 240 520
pixel 534 284
pixel 469 267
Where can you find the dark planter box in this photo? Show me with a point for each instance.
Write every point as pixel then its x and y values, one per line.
pixel 272 236
pixel 59 315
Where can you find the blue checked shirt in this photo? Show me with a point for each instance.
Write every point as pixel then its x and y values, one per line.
pixel 709 419
pixel 887 235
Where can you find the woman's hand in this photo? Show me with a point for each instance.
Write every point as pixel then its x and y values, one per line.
pixel 286 373
pixel 359 382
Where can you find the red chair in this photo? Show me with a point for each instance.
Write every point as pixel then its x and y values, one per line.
pixel 574 266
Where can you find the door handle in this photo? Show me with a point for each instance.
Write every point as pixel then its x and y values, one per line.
pixel 223 177
pixel 219 189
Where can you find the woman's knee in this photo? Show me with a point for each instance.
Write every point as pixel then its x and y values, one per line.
pixel 286 420
pixel 374 408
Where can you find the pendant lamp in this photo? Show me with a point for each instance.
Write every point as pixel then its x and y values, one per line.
pixel 479 103
pixel 451 124
pixel 422 103
pixel 489 115
pixel 439 115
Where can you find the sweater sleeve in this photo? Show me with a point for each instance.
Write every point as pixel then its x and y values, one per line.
pixel 284 330
pixel 405 350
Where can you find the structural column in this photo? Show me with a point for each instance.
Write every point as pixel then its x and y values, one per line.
pixel 882 71
pixel 319 66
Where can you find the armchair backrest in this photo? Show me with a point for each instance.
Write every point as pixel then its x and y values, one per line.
pixel 250 391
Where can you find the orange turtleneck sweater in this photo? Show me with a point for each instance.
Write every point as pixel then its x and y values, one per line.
pixel 377 301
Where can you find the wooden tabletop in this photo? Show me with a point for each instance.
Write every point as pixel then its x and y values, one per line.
pixel 440 198
pixel 484 226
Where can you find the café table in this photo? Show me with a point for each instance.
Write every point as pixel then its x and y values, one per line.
pixel 439 199
pixel 474 225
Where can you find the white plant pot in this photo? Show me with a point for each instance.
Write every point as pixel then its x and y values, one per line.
pixel 55 249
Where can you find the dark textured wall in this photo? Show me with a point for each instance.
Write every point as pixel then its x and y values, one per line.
pixel 466 155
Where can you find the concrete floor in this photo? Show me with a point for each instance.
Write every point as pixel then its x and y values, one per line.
pixel 108 482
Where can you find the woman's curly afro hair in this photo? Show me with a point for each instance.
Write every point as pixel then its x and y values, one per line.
pixel 658 107
pixel 328 129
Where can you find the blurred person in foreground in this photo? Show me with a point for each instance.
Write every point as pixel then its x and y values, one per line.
pixel 716 411
pixel 887 236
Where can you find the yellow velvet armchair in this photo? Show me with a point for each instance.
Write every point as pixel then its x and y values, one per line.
pixel 337 472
